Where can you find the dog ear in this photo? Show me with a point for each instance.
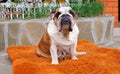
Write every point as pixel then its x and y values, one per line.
pixel 74 14
pixel 52 14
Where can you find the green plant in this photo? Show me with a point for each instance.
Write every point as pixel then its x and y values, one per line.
pixel 16 1
pixel 43 13
pixel 38 13
pixel 88 9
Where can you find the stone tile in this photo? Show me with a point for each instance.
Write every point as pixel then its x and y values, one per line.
pixel 5 65
pixel 35 30
pixel 13 33
pixel 5 69
pixel 85 31
pixel 25 40
pixel 4 59
pixel 98 29
pixel 115 43
pixel 108 31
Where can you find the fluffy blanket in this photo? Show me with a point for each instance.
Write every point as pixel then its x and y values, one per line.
pixel 98 60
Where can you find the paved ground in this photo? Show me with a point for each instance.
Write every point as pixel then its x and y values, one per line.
pixel 113 44
pixel 5 63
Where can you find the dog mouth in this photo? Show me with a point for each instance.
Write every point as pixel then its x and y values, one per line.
pixel 65 23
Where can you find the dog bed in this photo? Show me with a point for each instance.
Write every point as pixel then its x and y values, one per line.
pixel 98 60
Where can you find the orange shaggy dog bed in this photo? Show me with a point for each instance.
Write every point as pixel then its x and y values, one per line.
pixel 98 60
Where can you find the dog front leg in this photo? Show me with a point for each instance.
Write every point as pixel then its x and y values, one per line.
pixel 53 52
pixel 74 53
pixel 78 53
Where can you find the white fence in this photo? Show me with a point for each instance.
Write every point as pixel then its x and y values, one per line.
pixel 33 8
pixel 10 10
pixel 24 9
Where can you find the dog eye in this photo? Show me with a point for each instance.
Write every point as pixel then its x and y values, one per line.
pixel 57 14
pixel 72 13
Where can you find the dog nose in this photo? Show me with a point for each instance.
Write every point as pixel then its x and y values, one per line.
pixel 66 20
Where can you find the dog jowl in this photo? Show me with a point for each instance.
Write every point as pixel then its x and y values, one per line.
pixel 60 36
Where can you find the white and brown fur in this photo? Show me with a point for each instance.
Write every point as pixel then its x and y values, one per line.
pixel 60 39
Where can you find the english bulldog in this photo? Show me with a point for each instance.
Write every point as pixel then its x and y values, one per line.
pixel 61 36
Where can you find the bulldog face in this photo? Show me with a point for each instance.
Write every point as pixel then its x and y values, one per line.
pixel 64 18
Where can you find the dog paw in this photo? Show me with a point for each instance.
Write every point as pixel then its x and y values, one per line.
pixel 74 58
pixel 81 53
pixel 55 62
